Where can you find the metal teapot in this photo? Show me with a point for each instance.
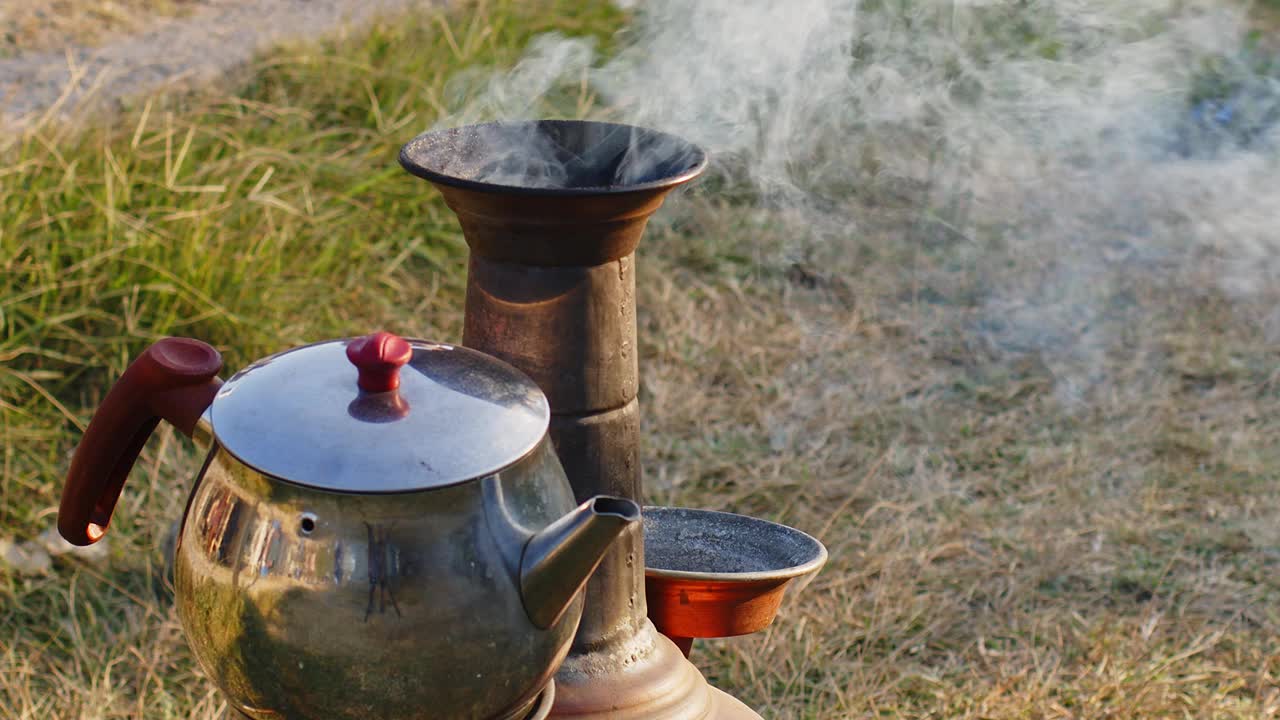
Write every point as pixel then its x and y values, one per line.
pixel 381 528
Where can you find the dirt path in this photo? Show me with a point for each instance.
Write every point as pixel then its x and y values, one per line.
pixel 214 37
pixel 27 26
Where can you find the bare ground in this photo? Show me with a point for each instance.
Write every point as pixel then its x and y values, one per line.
pixel 144 50
pixel 55 24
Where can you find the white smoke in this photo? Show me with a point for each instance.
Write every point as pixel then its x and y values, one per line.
pixel 1104 137
pixel 765 84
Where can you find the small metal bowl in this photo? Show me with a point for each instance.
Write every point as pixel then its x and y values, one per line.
pixel 712 574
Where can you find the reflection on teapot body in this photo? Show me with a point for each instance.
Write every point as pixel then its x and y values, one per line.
pixel 315 604
pixel 337 563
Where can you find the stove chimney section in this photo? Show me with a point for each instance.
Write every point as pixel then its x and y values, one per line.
pixel 571 326
pixel 553 212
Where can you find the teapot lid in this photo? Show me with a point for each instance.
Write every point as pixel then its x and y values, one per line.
pixel 379 414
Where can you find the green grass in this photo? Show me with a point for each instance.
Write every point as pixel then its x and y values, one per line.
pixel 1000 547
pixel 255 218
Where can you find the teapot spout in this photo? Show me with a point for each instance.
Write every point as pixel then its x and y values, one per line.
pixel 558 560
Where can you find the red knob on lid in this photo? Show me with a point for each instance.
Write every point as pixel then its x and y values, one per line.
pixel 379 358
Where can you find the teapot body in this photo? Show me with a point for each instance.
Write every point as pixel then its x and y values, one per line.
pixel 381 528
pixel 303 603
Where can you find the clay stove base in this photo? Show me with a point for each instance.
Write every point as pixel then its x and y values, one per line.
pixel 664 685
pixel 540 709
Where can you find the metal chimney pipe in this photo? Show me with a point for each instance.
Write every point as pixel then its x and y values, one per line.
pixel 572 329
pixel 553 212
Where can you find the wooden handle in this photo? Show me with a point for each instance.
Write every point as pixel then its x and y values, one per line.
pixel 175 379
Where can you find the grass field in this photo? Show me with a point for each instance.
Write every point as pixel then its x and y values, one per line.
pixel 1046 463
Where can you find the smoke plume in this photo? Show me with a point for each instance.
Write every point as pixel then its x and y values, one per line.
pixel 1101 138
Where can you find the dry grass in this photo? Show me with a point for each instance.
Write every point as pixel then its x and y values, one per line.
pixel 1002 545
pixel 1265 19
pixel 56 24
pixel 995 553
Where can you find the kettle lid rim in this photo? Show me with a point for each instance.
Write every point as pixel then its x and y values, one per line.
pixel 458 415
